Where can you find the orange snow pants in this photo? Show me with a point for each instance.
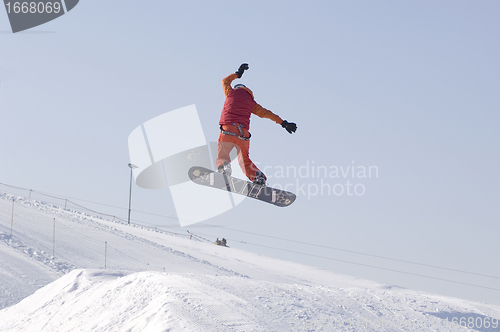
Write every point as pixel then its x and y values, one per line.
pixel 228 142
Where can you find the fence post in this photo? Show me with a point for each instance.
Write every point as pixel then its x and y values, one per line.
pixel 30 194
pixel 54 241
pixel 105 253
pixel 12 222
pixel 66 204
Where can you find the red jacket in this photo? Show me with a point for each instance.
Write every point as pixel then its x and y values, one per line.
pixel 240 104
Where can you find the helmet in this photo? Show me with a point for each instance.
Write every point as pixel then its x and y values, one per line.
pixel 237 86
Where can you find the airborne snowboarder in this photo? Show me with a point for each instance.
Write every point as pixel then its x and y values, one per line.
pixel 234 124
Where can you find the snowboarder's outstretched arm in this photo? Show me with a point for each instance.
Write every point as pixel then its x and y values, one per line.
pixel 265 113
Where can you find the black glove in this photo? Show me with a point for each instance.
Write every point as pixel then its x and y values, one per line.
pixel 289 126
pixel 242 68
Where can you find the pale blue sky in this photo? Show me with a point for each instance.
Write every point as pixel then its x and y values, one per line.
pixel 408 87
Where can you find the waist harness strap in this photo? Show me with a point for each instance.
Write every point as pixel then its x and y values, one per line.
pixel 241 136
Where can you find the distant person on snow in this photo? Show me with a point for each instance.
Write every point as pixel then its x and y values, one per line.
pixel 234 124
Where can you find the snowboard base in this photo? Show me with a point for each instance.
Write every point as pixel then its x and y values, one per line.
pixel 206 177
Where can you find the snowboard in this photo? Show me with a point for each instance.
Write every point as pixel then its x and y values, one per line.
pixel 209 178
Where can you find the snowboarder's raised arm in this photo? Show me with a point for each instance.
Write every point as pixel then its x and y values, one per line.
pixel 226 83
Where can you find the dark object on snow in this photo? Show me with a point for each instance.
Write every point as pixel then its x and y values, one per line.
pixel 222 242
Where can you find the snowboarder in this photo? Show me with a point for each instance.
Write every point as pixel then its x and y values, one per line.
pixel 234 124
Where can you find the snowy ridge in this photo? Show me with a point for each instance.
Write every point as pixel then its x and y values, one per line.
pixel 157 282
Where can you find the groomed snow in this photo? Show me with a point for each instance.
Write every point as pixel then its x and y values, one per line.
pixel 193 286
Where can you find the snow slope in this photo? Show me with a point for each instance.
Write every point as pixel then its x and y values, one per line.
pixel 157 282
pixel 20 276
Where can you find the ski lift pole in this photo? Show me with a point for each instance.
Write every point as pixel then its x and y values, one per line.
pixel 132 166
